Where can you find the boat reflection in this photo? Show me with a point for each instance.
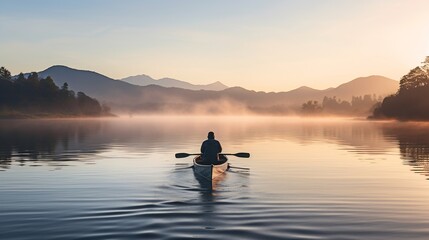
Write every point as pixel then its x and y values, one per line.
pixel 209 185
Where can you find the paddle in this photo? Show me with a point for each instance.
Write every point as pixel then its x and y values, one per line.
pixel 242 168
pixel 240 154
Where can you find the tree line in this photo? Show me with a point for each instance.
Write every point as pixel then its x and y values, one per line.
pixel 34 96
pixel 359 105
pixel 411 101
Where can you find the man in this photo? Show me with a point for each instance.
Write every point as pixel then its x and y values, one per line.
pixel 210 149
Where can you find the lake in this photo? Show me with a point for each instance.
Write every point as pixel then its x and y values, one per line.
pixel 308 179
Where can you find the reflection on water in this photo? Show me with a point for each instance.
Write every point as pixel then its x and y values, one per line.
pixel 57 142
pixel 45 141
pixel 209 185
pixel 308 179
pixel 413 142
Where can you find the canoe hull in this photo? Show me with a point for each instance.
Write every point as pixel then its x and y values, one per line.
pixel 211 171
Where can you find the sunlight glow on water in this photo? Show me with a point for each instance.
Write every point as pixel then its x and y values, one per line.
pixel 308 179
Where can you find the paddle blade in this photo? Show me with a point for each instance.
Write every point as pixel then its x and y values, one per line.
pixel 182 155
pixel 242 154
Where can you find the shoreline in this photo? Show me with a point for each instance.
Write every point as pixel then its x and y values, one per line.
pixel 21 116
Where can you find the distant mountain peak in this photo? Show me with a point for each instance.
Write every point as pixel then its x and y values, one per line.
pixel 373 84
pixel 145 80
pixel 236 88
pixel 305 88
pixel 371 78
pixel 218 84
pixel 63 67
pixel 58 68
pixel 141 75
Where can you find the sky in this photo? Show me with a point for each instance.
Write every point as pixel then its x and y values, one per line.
pixel 263 45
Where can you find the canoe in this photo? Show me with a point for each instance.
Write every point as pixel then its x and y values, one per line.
pixel 210 171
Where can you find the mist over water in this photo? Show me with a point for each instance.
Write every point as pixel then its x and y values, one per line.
pixel 118 179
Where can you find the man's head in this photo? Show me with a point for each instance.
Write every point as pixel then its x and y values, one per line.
pixel 210 135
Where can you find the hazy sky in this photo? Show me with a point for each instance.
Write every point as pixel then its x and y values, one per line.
pixel 261 45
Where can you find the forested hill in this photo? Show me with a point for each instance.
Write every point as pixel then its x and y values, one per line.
pixel 411 100
pixel 40 97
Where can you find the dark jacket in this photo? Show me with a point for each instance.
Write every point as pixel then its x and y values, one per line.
pixel 209 150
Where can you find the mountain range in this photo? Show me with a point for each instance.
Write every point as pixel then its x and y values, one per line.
pixel 126 95
pixel 145 80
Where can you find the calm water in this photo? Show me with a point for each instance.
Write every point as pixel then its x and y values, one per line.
pixel 308 179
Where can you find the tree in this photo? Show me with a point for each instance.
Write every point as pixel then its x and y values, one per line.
pixel 48 91
pixel 34 95
pixel 311 107
pixel 88 106
pixel 65 87
pixel 6 88
pixel 20 78
pixel 334 105
pixel 5 74
pixel 426 64
pixel 417 77
pixel 411 101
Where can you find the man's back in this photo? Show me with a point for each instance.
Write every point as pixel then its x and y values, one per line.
pixel 210 150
